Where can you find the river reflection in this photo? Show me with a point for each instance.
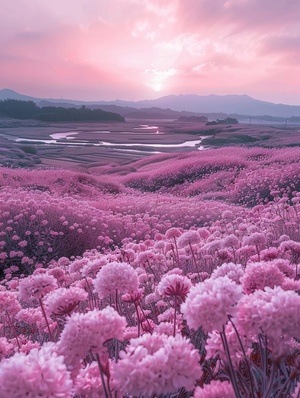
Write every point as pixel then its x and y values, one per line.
pixel 70 138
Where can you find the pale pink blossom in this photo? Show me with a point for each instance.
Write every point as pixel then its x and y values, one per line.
pixel 188 238
pixel 157 364
pixel 92 267
pixel 260 275
pixel 116 276
pixel 36 287
pixel 131 332
pixel 216 389
pixel 9 303
pixel 173 233
pixel 32 316
pixel 23 243
pixel 209 303
pixel 256 239
pixel 152 298
pixel 291 284
pixel 84 333
pixel 233 271
pixel 88 382
pixel 6 348
pixel 174 285
pixel 41 373
pixel 63 301
pixel 215 347
pixel 273 312
pixel 231 241
pixel 58 273
pixel 166 328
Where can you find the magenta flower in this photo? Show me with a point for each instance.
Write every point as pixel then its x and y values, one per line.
pixel 174 285
pixel 63 301
pixel 41 373
pixel 260 275
pixel 116 276
pixel 88 382
pixel 36 286
pixel 233 271
pixel 216 389
pixel 6 348
pixel 157 364
pixel 209 303
pixel 84 333
pixel 9 303
pixel 273 312
pixel 188 238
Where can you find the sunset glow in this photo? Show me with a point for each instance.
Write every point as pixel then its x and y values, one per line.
pixel 138 49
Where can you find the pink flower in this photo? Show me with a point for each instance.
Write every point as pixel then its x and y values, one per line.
pixel 36 286
pixel 23 243
pixel 84 333
pixel 88 382
pixel 261 274
pixel 93 266
pixel 6 348
pixel 9 303
pixel 216 389
pixel 63 301
pixel 116 276
pixel 233 271
pixel 174 285
pixel 157 364
pixel 173 233
pixel 273 312
pixel 188 238
pixel 31 316
pixel 41 373
pixel 210 302
pixel 215 347
pixel 256 239
pixel 231 241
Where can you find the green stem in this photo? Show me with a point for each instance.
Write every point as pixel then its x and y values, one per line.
pixel 175 305
pixel 46 319
pixel 107 394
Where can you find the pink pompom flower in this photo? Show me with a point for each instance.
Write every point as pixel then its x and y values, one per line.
pixel 209 303
pixel 63 301
pixel 216 389
pixel 116 276
pixel 157 364
pixel 41 373
pixel 36 287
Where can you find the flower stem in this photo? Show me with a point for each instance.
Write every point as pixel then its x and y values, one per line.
pixel 46 319
pixel 106 392
pixel 175 305
pixel 14 329
pixel 232 373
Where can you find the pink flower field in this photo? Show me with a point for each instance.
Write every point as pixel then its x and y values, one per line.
pixel 175 275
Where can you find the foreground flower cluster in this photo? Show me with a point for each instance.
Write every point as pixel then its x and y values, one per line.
pixel 207 309
pixel 155 317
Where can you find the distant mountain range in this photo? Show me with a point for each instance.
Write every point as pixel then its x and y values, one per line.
pixel 173 106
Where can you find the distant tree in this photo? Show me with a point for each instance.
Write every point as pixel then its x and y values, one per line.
pixel 18 109
pixel 29 110
pixel 228 120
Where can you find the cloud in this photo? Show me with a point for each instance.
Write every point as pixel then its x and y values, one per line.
pixel 106 46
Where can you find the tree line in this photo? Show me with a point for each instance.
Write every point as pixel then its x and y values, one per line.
pixel 18 109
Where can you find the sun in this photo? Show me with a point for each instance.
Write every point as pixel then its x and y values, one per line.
pixel 156 86
pixel 158 78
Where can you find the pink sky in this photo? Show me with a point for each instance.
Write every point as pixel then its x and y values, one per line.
pixel 142 49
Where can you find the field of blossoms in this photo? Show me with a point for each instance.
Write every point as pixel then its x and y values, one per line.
pixel 176 275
